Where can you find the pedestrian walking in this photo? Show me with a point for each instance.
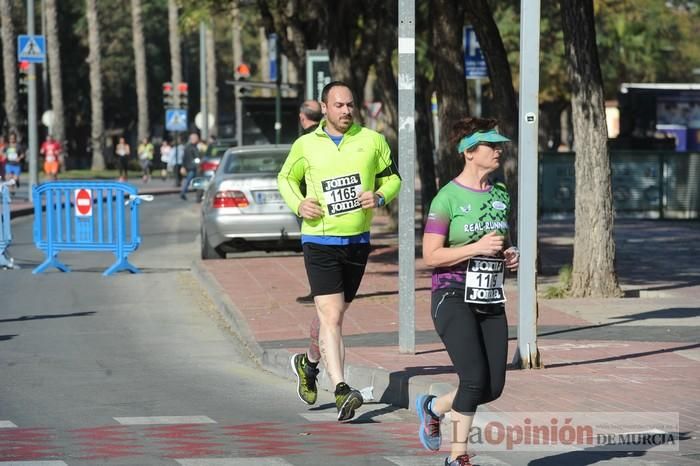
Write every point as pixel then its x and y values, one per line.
pixel 3 158
pixel 349 172
pixel 145 153
pixel 123 152
pixel 14 156
pixel 189 165
pixel 165 149
pixel 310 116
pixel 466 242
pixel 178 152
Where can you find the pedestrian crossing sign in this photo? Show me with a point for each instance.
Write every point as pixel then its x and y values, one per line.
pixel 176 119
pixel 31 49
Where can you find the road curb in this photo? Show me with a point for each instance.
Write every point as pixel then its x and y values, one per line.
pixel 395 388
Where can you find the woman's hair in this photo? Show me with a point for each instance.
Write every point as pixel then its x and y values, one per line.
pixel 468 126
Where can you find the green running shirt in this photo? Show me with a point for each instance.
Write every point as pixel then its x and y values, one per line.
pixel 335 175
pixel 464 215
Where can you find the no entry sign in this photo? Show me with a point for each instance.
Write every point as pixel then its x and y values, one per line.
pixel 83 202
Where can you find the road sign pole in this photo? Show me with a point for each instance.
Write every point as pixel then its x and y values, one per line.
pixel 407 203
pixel 527 354
pixel 31 104
pixel 203 80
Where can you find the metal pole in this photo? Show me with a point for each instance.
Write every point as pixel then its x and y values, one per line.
pixel 204 107
pixel 278 95
pixel 44 69
pixel 407 207
pixel 477 99
pixel 31 101
pixel 237 60
pixel 527 354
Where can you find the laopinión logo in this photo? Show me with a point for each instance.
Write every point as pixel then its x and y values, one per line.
pixel 567 431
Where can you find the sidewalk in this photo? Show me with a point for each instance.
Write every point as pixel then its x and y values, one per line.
pixel 633 354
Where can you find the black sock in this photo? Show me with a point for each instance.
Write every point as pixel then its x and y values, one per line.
pixel 310 362
pixel 342 387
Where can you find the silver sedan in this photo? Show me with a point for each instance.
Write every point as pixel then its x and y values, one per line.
pixel 242 208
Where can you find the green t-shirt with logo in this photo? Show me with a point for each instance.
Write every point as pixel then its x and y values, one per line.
pixel 464 215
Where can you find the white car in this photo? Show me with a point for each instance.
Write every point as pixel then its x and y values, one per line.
pixel 242 208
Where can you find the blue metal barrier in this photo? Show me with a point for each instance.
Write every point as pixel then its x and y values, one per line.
pixel 86 216
pixel 5 231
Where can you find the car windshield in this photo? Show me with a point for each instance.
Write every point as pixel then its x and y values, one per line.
pixel 256 162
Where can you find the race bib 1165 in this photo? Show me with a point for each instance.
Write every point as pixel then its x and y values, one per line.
pixel 341 193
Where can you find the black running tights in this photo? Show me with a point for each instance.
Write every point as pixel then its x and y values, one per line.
pixel 477 344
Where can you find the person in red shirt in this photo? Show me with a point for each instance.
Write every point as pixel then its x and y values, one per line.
pixel 51 150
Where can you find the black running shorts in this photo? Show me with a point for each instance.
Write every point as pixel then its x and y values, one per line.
pixel 335 269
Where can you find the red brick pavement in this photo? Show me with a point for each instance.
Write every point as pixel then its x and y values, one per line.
pixel 579 376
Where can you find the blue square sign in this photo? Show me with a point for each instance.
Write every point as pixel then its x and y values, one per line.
pixel 31 49
pixel 176 119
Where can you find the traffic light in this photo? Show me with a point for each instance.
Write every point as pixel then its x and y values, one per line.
pixel 23 76
pixel 168 95
pixel 182 89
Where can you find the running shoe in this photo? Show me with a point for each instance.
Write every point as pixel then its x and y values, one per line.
pixel 429 429
pixel 347 400
pixel 306 378
pixel 462 460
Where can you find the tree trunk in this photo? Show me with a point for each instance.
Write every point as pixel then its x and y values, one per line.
pixel 95 63
pixel 58 128
pixel 505 103
pixel 212 90
pixel 424 145
pixel 175 53
pixel 140 64
pixel 593 272
pixel 449 81
pixel 9 67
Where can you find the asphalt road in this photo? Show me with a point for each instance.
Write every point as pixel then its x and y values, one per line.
pixel 139 370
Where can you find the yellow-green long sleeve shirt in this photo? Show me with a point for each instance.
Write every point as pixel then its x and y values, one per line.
pixel 336 175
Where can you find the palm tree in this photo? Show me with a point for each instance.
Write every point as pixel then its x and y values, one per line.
pixel 95 63
pixel 212 90
pixel 140 64
pixel 58 126
pixel 175 54
pixel 9 66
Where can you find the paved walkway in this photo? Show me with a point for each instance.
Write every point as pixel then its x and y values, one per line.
pixel 633 354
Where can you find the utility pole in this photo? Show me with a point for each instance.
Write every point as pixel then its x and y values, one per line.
pixel 31 101
pixel 407 203
pixel 527 354
pixel 204 107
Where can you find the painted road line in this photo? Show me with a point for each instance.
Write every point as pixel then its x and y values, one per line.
pixel 481 460
pixel 267 461
pixel 375 411
pixel 163 420
pixel 7 425
pixel 32 463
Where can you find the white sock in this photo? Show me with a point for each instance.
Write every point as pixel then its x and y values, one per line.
pixel 431 404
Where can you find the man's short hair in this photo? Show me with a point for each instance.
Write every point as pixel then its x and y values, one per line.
pixel 327 88
pixel 311 111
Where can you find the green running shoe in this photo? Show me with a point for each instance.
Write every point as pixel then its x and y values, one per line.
pixel 306 378
pixel 347 400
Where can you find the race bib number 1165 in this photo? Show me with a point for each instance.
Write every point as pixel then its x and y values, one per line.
pixel 341 193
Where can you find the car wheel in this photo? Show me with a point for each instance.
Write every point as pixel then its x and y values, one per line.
pixel 200 195
pixel 207 251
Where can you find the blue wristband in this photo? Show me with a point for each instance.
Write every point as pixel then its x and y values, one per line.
pixel 380 201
